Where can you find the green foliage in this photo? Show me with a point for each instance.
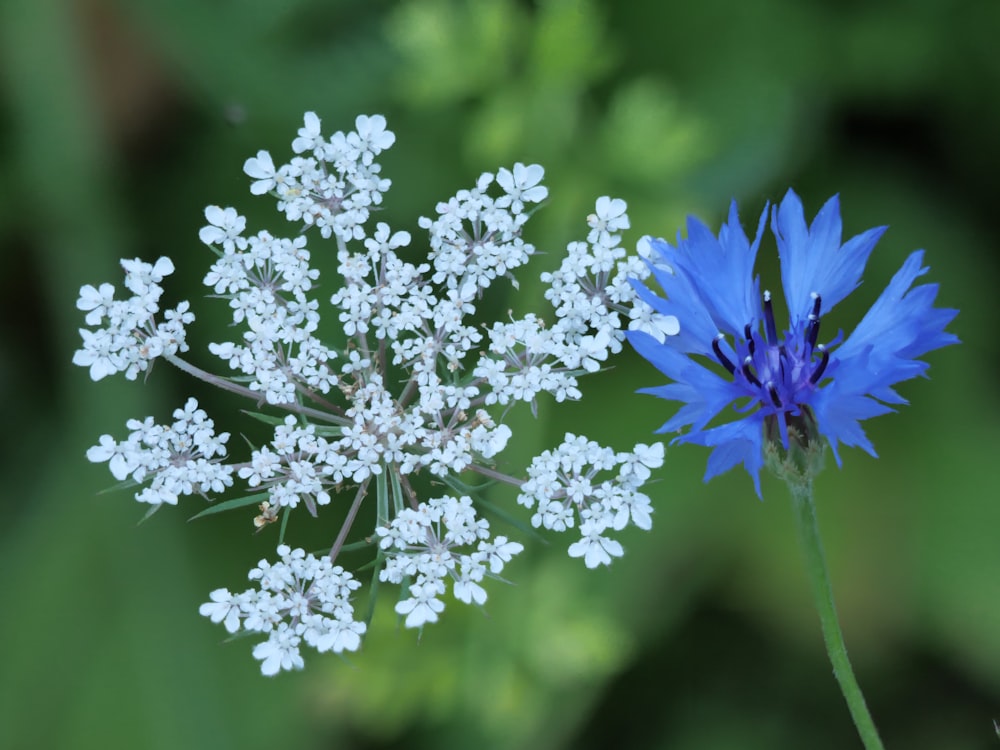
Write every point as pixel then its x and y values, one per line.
pixel 239 502
pixel 120 121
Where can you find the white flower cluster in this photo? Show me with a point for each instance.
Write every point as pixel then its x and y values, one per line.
pixel 421 386
pixel 476 238
pixel 182 459
pixel 589 292
pixel 334 187
pixel 297 467
pixel 563 484
pixel 301 598
pixel 425 544
pixel 131 338
pixel 593 286
pixel 266 280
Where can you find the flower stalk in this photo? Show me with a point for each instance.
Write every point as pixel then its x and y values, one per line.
pixel 822 591
pixel 762 396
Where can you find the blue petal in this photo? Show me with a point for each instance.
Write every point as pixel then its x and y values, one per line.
pixel 839 413
pixel 704 393
pixel 665 358
pixel 813 260
pixel 736 442
pixel 721 270
pixel 711 278
pixel 697 329
pixel 901 325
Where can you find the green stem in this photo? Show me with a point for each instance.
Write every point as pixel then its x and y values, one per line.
pixel 819 579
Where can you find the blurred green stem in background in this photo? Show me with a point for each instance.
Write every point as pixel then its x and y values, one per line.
pixel 819 581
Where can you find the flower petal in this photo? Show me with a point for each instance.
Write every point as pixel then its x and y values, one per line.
pixel 812 258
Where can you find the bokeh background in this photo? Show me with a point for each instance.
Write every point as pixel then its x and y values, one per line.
pixel 120 121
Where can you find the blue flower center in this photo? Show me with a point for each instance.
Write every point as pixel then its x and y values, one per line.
pixel 779 373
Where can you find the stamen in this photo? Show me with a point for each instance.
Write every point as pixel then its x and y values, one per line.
pixel 812 331
pixel 748 335
pixel 821 367
pixel 748 373
pixel 770 328
pixel 723 359
pixel 773 392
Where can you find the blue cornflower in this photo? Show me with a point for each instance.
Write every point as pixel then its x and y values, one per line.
pixel 786 389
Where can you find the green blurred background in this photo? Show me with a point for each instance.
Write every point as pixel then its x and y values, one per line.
pixel 120 121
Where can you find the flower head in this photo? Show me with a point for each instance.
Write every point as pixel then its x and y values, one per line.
pixel 414 385
pixel 299 598
pixel 785 387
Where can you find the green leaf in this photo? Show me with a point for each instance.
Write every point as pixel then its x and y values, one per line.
pixel 382 498
pixel 240 502
pixel 265 418
pixel 397 494
pixel 284 525
pixel 373 593
pixel 355 546
pixel 521 525
pixel 148 515
pixel 467 489
pixel 329 430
